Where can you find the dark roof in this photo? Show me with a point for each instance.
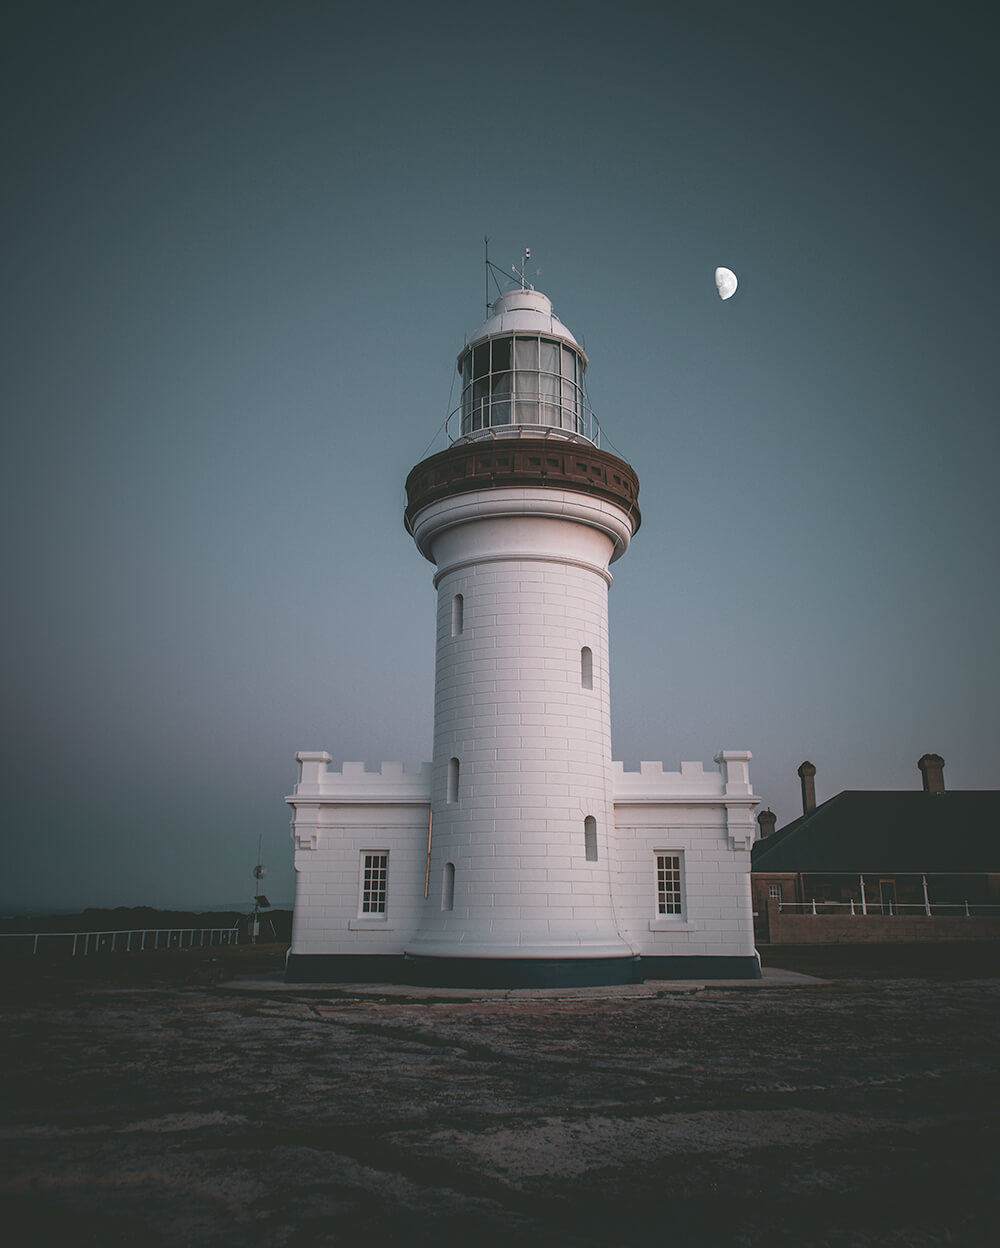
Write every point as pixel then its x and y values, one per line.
pixel 902 833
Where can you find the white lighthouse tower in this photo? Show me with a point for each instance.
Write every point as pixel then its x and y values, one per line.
pixel 522 516
pixel 522 855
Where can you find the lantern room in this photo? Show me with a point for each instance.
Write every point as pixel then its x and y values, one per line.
pixel 523 370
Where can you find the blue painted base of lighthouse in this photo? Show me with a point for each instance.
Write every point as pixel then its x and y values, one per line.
pixel 522 972
pixel 701 968
pixel 510 972
pixel 345 968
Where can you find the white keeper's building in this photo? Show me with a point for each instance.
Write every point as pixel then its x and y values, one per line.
pixel 522 855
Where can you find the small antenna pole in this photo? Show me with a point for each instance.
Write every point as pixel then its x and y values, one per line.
pixel 486 250
pixel 259 899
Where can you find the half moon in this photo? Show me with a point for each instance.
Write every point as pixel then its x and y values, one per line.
pixel 725 283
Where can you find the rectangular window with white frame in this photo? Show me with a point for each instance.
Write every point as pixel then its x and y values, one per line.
pixel 374 883
pixel 669 885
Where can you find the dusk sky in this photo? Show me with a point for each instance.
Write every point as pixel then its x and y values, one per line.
pixel 243 248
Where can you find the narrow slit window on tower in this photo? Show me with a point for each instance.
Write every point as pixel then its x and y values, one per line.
pixel 590 838
pixel 374 882
pixel 457 615
pixel 452 795
pixel 586 668
pixel 448 887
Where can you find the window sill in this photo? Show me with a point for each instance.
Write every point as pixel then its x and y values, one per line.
pixel 380 923
pixel 677 924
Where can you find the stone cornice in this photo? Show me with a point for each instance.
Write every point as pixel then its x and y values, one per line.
pixel 506 462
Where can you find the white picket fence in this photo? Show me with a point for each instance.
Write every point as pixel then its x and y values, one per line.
pixel 83 944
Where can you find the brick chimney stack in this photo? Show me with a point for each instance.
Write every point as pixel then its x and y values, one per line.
pixel 807 774
pixel 767 819
pixel 932 770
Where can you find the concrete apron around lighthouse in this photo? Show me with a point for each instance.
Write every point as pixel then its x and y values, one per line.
pixel 523 853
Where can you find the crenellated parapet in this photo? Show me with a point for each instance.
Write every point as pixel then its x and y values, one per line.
pixel 353 783
pixel 692 784
pixel 325 800
pixel 726 788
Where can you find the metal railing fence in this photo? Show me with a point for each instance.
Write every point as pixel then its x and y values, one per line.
pixel 878 908
pixel 137 940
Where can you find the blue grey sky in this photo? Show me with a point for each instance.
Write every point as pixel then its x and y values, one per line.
pixel 243 246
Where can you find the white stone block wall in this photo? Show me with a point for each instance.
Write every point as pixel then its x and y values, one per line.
pixel 704 817
pixel 533 747
pixel 532 741
pixel 339 816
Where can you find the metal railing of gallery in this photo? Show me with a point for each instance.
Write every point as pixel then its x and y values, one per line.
pixel 493 419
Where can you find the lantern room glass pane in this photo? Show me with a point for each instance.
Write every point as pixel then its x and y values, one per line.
pixel 548 393
pixel 501 355
pixel 500 385
pixel 480 402
pixel 481 360
pixel 526 385
pixel 548 356
pixel 572 406
pixel 526 353
pixel 568 364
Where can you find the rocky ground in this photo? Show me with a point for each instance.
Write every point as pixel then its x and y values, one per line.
pixel 160 1110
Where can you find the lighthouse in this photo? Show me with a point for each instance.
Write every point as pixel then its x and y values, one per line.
pixel 522 855
pixel 522 517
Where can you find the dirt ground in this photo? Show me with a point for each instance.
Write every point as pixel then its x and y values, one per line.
pixel 166 1110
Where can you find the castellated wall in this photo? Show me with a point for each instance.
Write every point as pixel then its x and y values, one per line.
pixel 341 818
pixel 698 821
pixel 704 821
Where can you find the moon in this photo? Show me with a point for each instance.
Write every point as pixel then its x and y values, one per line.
pixel 725 283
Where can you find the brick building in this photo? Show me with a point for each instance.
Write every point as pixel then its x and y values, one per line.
pixel 880 865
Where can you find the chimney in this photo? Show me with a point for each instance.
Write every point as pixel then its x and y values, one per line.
pixel 932 769
pixel 807 774
pixel 767 819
